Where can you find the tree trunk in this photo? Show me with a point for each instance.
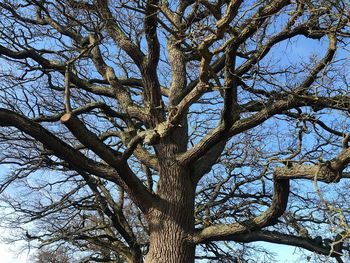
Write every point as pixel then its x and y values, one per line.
pixel 171 222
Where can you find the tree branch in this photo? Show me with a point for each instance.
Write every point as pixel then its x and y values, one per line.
pixel 285 239
pixel 268 218
pixel 328 171
pixel 135 187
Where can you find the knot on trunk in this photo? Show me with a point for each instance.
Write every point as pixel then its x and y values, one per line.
pixel 327 174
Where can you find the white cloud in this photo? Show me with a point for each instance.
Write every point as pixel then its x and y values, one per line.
pixel 10 254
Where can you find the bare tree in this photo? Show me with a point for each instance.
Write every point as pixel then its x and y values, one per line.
pixel 165 131
pixel 47 256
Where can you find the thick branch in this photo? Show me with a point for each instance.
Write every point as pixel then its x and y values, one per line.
pixel 134 186
pixel 269 217
pixel 219 133
pixel 62 150
pixel 280 238
pixel 118 35
pixel 328 172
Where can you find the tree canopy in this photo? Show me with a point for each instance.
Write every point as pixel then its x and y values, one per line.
pixel 176 131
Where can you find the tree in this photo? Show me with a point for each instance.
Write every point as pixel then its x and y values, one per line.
pixel 175 130
pixel 46 256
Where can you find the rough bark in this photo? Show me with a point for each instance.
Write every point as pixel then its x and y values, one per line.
pixel 171 221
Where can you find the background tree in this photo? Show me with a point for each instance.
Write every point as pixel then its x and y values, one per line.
pixel 142 130
pixel 47 256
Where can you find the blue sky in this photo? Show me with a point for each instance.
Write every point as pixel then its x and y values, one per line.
pixel 294 50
